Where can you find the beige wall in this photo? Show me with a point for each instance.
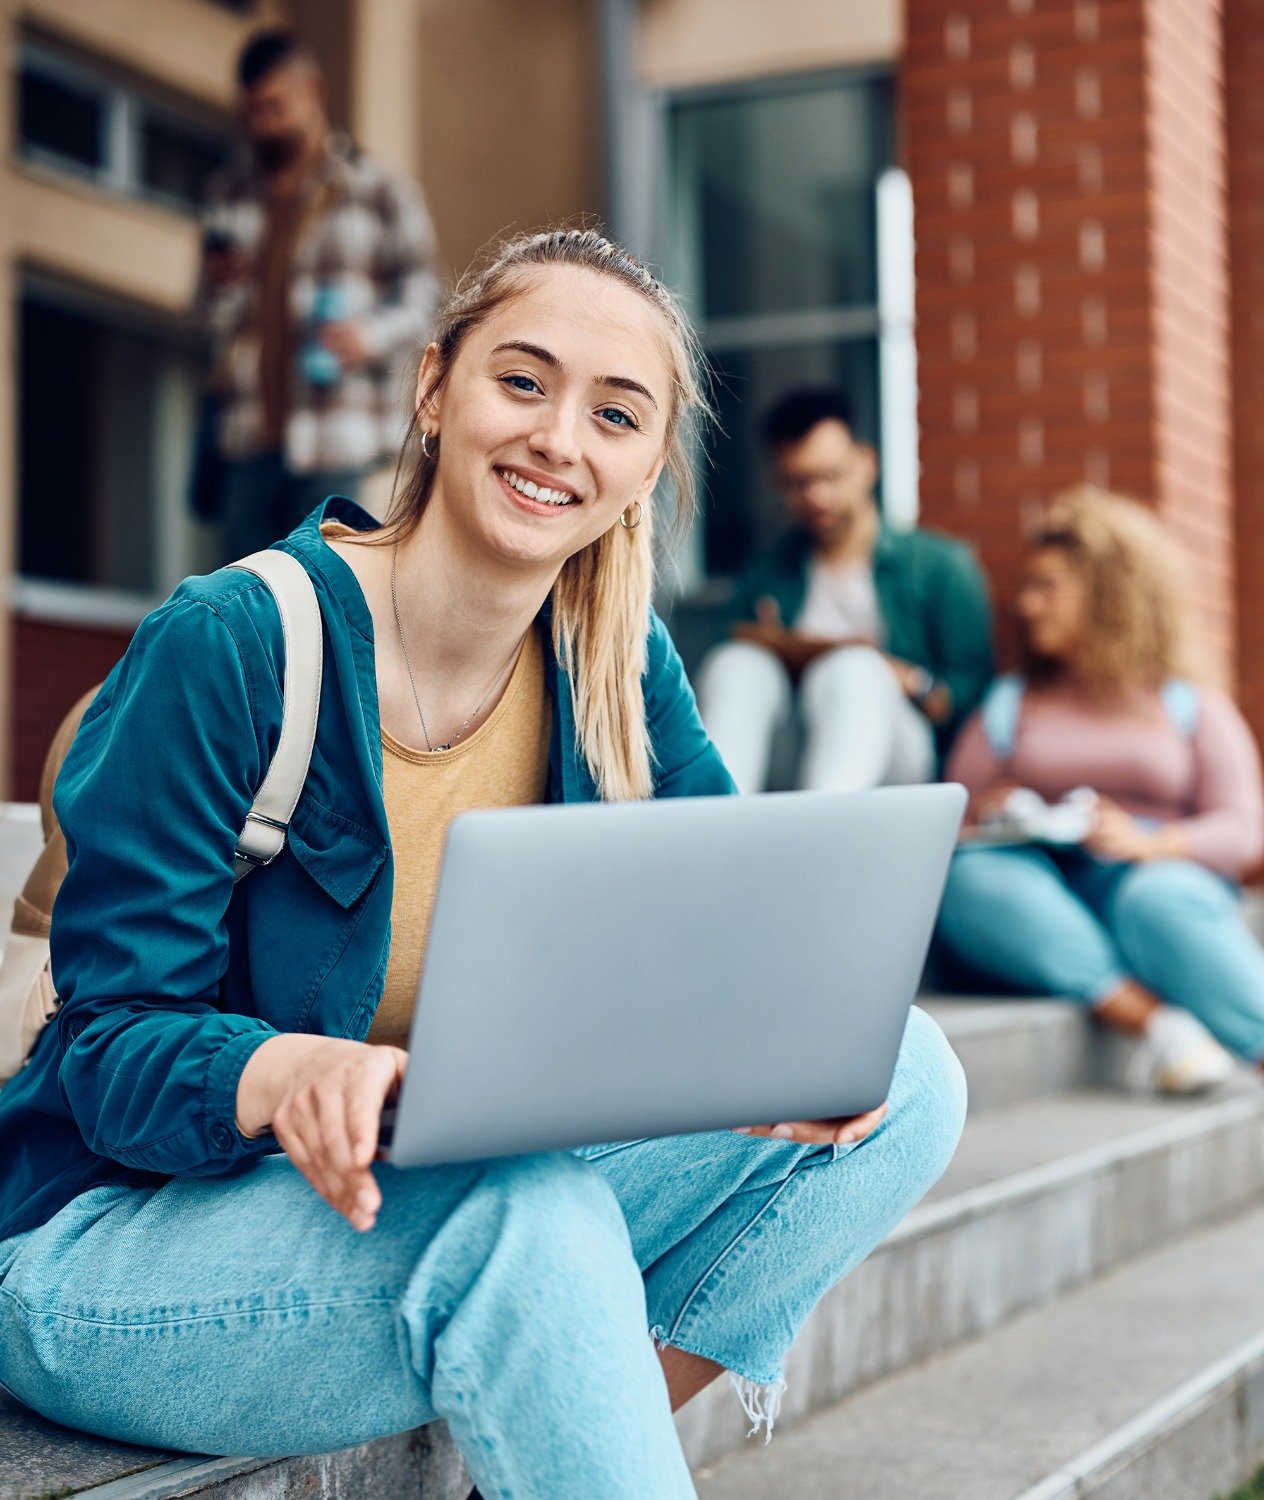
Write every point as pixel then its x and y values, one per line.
pixel 510 117
pixel 48 222
pixel 186 44
pixel 384 56
pixel 684 42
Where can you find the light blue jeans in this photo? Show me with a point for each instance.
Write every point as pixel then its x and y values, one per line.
pixel 512 1298
pixel 1067 923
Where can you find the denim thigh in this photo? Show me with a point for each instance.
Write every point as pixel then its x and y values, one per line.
pixel 187 1315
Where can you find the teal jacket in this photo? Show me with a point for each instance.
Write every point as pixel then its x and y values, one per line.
pixel 932 597
pixel 171 976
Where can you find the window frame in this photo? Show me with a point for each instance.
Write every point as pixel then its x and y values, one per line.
pixel 181 543
pixel 125 108
pixel 642 192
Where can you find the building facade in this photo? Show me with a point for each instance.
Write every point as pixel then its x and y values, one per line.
pixel 1027 236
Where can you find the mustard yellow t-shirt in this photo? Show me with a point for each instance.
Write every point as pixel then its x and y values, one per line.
pixel 504 763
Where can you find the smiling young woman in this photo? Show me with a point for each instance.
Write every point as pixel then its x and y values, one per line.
pixel 198 1249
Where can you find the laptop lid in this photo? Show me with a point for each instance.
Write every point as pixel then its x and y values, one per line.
pixel 608 972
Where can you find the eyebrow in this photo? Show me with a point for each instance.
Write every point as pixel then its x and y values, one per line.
pixel 546 357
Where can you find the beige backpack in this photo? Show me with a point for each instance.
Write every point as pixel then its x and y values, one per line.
pixel 28 1000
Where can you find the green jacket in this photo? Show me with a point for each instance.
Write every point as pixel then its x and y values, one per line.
pixel 170 974
pixel 932 597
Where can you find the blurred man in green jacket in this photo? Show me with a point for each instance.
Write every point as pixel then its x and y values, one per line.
pixel 883 637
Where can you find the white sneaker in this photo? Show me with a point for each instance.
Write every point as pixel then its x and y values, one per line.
pixel 1178 1055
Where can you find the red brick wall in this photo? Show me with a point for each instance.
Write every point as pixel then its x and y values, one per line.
pixel 1244 90
pixel 1071 325
pixel 1190 300
pixel 53 666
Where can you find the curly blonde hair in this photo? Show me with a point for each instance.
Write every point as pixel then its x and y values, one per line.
pixel 1139 631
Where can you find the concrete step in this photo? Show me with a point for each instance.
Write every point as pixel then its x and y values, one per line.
pixel 1146 1385
pixel 1042 1197
pixel 39 1460
pixel 1013 1050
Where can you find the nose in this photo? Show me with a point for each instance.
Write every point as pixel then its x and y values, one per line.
pixel 556 437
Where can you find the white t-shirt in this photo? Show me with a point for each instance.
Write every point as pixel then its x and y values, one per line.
pixel 841 602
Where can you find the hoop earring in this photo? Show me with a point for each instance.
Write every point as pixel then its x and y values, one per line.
pixel 425 450
pixel 632 525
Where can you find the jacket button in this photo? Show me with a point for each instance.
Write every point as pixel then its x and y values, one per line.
pixel 221 1137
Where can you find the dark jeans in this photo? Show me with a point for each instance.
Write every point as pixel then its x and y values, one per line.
pixel 264 501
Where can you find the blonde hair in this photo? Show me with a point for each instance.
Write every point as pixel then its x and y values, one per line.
pixel 602 597
pixel 1138 630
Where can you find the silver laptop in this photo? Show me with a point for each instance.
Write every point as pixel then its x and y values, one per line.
pixel 604 973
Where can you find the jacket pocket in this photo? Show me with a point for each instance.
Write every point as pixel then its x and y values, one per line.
pixel 340 855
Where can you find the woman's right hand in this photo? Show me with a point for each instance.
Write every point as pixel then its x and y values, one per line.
pixel 323 1099
pixel 991 801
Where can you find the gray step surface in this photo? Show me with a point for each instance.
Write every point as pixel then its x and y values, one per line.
pixel 1145 1385
pixel 1041 1197
pixel 1013 1050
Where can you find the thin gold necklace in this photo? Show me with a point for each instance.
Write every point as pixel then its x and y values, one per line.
pixel 412 682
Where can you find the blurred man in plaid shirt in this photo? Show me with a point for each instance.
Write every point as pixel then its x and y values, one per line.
pixel 318 283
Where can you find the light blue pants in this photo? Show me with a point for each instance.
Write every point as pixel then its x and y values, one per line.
pixel 242 1316
pixel 1067 923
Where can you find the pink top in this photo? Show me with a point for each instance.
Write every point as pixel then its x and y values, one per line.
pixel 1209 782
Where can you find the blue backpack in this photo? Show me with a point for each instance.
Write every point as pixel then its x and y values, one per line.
pixel 1003 706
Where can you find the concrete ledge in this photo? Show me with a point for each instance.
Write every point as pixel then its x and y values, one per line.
pixel 1013 1050
pixel 1206 1434
pixel 1147 1384
pixel 39 1460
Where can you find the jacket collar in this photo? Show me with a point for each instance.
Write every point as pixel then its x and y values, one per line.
pixel 333 168
pixel 884 545
pixel 313 550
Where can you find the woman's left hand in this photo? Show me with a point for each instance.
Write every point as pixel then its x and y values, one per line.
pixel 844 1131
pixel 1116 834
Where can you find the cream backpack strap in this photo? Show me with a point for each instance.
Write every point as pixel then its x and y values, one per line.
pixel 268 820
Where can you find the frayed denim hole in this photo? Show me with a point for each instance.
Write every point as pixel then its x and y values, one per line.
pixel 760 1401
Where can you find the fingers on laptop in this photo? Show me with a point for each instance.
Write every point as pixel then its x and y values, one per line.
pixel 330 1132
pixel 841 1132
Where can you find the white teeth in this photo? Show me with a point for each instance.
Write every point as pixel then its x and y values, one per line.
pixel 536 491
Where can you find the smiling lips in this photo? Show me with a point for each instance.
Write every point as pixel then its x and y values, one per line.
pixel 537 492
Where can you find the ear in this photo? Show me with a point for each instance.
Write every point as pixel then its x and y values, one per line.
pixel 871 461
pixel 646 488
pixel 428 392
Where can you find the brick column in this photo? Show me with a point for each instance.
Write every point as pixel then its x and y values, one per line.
pixel 1244 96
pixel 1067 160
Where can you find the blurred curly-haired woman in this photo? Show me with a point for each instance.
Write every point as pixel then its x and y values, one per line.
pixel 1139 916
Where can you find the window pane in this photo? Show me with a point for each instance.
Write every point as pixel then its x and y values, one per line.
pixel 780 191
pixel 743 513
pixel 177 162
pixel 102 408
pixel 58 117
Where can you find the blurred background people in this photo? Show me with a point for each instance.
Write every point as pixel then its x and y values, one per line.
pixel 882 637
pixel 1141 919
pixel 318 283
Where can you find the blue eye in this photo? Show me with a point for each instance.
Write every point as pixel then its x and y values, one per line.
pixel 520 382
pixel 617 417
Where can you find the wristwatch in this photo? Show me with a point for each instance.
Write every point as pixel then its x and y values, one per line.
pixel 920 684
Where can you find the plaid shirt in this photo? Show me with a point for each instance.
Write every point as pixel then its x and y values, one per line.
pixel 370 238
